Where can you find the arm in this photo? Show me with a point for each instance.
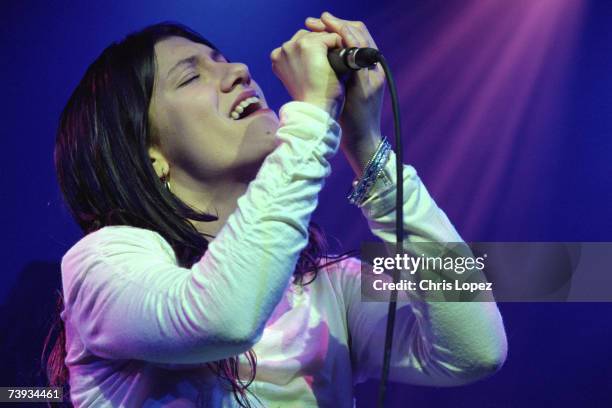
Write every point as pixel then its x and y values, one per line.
pixel 129 300
pixel 435 343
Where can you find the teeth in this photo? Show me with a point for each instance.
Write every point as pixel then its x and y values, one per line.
pixel 242 106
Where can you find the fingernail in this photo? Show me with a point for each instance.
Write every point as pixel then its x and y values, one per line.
pixel 311 19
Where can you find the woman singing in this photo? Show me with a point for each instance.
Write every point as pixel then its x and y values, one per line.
pixel 200 280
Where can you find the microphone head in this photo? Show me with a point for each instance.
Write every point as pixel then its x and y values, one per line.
pixel 366 57
pixel 345 60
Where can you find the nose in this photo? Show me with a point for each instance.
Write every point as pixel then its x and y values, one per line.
pixel 237 73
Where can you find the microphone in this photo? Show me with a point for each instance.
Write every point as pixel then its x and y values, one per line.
pixel 343 60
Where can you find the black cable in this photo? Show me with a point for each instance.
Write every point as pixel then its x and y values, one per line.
pixel 343 61
pixel 399 228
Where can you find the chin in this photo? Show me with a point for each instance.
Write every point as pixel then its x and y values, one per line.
pixel 262 130
pixel 264 123
pixel 258 141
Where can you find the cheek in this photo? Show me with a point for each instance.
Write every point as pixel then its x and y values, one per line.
pixel 200 137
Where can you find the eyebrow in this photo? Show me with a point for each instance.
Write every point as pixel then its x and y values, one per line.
pixel 191 60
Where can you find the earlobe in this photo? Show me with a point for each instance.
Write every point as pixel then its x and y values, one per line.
pixel 159 162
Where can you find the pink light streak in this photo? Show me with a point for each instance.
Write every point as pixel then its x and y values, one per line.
pixel 479 87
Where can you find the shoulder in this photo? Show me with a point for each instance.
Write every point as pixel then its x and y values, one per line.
pixel 119 237
pixel 125 251
pixel 112 244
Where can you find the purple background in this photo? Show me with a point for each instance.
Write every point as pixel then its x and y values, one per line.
pixel 507 119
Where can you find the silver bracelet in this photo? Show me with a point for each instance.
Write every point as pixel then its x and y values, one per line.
pixel 372 170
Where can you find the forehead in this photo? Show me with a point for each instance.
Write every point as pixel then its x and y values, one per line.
pixel 172 49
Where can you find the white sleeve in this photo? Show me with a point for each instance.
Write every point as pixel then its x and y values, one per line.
pixel 128 299
pixel 434 343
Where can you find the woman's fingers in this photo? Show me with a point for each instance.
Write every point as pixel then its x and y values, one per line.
pixel 301 64
pixel 275 52
pixel 348 38
pixel 361 112
pixel 298 34
pixel 354 33
pixel 360 29
pixel 315 24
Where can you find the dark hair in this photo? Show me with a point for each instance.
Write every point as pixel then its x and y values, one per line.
pixel 106 177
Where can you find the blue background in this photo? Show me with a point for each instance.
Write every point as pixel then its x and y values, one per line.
pixel 554 186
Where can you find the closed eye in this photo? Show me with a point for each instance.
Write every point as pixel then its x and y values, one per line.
pixel 189 80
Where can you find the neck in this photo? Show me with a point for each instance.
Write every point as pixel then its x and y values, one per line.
pixel 215 197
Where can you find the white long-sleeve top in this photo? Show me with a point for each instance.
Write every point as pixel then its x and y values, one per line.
pixel 140 329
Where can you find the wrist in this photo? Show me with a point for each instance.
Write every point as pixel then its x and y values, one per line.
pixel 362 187
pixel 329 106
pixel 359 150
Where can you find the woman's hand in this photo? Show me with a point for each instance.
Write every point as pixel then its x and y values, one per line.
pixel 302 66
pixel 360 117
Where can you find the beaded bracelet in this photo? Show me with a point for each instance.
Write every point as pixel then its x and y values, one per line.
pixel 372 170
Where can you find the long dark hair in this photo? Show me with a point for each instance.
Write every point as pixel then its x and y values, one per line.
pixel 106 177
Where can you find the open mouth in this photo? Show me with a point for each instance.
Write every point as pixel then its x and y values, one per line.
pixel 246 108
pixel 249 109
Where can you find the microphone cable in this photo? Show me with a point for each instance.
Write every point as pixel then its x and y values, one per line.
pixel 351 59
